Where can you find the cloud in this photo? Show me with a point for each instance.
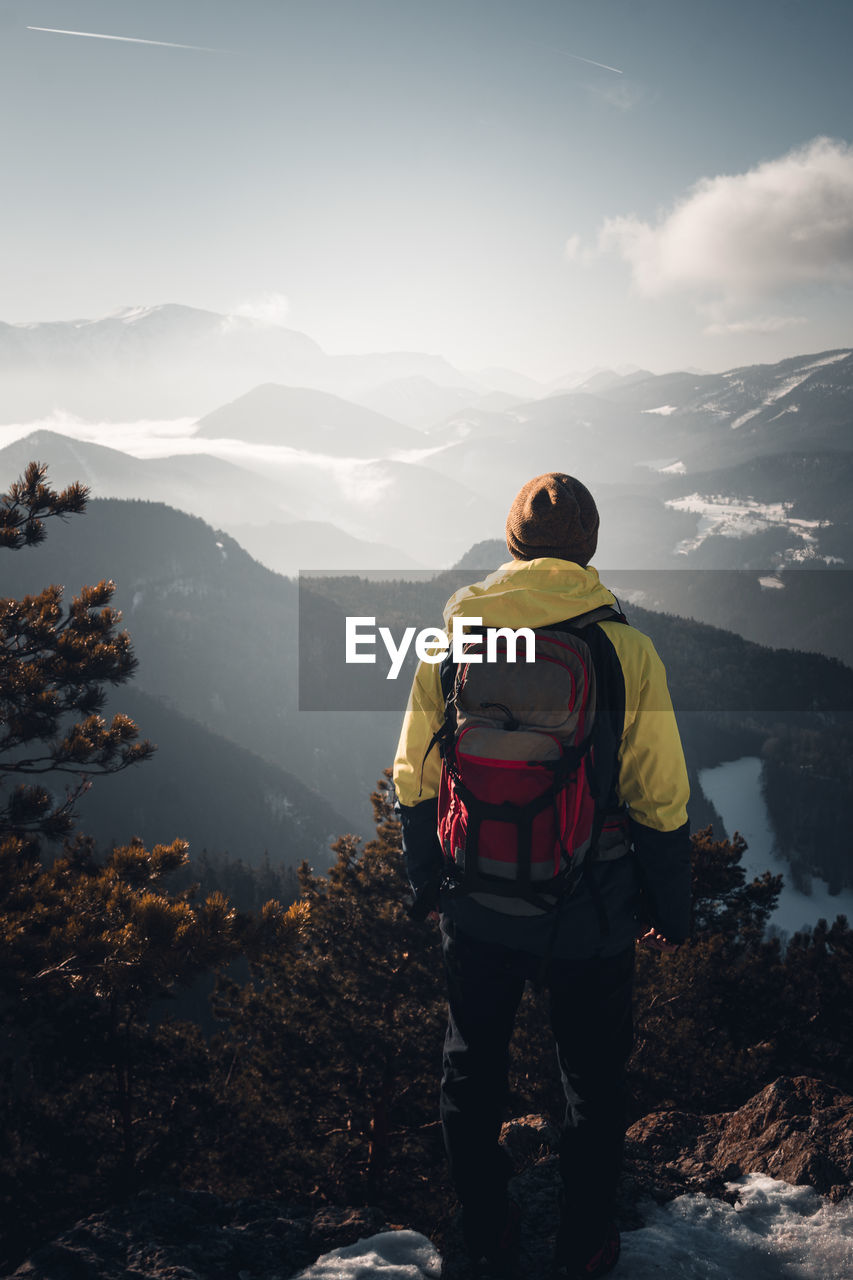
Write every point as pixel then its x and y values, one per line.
pixel 758 324
pixel 786 224
pixel 269 309
pixel 572 248
pixel 624 95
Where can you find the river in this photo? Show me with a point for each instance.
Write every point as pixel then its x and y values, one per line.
pixel 734 789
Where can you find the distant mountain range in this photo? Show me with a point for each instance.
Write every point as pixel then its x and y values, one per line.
pixel 314 421
pixel 171 361
pixel 396 461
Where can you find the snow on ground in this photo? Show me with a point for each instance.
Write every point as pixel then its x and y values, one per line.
pixel 788 384
pixel 734 789
pixel 818 364
pixel 740 517
pixel 744 417
pixel 393 1255
pixel 663 409
pixel 773 1232
pixel 783 413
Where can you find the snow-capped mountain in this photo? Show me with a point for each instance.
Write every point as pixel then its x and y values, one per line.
pixel 171 360
pixel 741 469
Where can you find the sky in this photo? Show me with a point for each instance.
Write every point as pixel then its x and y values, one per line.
pixel 549 186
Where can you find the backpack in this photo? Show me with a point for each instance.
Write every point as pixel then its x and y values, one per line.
pixel 524 783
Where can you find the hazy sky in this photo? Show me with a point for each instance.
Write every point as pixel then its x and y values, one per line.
pixel 447 176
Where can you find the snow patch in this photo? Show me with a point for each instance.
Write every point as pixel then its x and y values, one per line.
pixel 744 417
pixel 788 385
pixel 741 517
pixel 392 1255
pixel 818 364
pixel 773 1232
pixel 663 409
pixel 791 408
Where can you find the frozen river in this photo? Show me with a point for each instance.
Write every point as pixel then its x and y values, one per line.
pixel 734 789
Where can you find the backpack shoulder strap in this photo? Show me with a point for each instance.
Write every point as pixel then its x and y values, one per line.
pixel 604 613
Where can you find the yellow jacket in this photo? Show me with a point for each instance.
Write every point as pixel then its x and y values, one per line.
pixel 652 777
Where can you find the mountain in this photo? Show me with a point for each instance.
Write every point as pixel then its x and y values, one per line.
pixel 218 491
pixel 785 608
pixel 224 494
pixel 597 381
pixel 419 402
pixel 741 469
pixel 405 505
pixel 144 361
pixel 509 382
pixel 575 432
pixel 217 638
pixel 314 421
pixel 309 545
pixel 172 361
pixel 750 412
pixel 209 791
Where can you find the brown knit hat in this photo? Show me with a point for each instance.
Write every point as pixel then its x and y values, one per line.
pixel 553 515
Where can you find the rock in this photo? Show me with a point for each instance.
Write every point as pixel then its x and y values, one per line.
pixel 193 1235
pixel 796 1129
pixel 527 1139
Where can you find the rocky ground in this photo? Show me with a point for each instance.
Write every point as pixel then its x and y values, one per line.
pixel 798 1130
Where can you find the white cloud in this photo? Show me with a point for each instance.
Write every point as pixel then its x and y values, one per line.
pixel 786 223
pixel 269 308
pixel 573 248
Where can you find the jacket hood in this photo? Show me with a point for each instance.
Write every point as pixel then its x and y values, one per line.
pixel 530 593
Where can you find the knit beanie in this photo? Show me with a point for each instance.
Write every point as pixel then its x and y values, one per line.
pixel 553 515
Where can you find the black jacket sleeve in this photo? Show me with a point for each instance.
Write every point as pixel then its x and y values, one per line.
pixel 663 863
pixel 422 854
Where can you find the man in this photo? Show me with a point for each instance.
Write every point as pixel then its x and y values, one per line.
pixel 636 882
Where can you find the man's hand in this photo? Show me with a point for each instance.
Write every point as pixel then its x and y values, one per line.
pixel 657 942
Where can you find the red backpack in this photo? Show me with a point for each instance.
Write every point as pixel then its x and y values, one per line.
pixel 523 787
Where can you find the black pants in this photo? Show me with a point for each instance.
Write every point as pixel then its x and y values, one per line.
pixel 590 1011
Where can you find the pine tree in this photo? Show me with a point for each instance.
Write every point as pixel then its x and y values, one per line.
pixel 86 945
pixel 336 1045
pixel 54 664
